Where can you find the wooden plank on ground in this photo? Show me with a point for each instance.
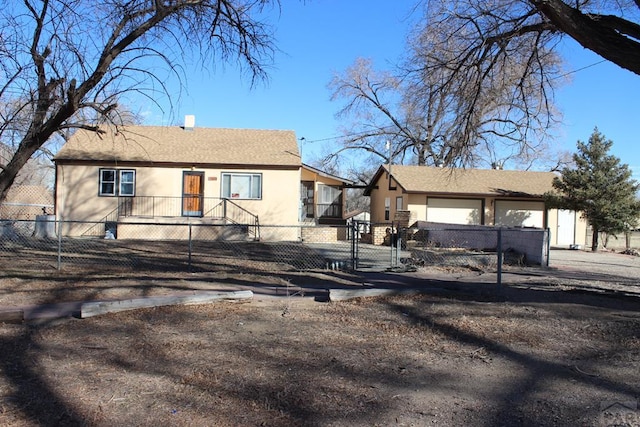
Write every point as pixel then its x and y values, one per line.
pixel 11 315
pixel 346 294
pixel 95 308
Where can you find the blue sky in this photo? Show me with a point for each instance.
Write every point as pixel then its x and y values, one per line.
pixel 320 37
pixel 602 95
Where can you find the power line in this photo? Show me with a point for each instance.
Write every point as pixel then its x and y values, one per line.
pixel 322 139
pixel 580 69
pixel 349 135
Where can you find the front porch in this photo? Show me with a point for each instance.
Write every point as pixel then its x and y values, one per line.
pixel 156 210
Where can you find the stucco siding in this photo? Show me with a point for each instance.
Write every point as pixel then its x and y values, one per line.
pixel 280 196
pixel 379 198
pixel 77 194
pixel 77 188
pixel 308 175
pixel 376 205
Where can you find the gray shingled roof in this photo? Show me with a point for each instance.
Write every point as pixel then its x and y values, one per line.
pixel 164 144
pixel 422 179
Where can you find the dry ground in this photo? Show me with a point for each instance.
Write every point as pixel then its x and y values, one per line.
pixel 550 347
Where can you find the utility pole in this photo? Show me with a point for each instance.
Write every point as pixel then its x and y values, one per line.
pixel 388 147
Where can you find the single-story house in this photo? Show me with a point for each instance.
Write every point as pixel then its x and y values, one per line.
pixel 323 198
pixel 473 197
pixel 121 177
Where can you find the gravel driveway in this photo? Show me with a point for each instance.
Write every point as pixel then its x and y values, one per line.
pixel 599 263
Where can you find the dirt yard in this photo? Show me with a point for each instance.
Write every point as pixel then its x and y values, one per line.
pixel 548 347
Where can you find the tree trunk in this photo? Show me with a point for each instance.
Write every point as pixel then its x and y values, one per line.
pixel 39 133
pixel 594 240
pixel 10 171
pixel 602 34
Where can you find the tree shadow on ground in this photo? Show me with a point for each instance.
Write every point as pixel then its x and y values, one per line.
pixel 541 289
pixel 518 402
pixel 31 393
pixel 41 403
pixel 279 377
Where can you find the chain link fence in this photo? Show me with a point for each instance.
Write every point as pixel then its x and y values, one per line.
pixel 140 246
pixel 170 247
pixel 26 202
pixel 480 247
pixel 453 247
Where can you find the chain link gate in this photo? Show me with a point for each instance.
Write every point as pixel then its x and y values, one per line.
pixel 369 254
pixel 448 246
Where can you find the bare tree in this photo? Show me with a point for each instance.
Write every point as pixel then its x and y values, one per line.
pixel 530 29
pixel 479 80
pixel 373 106
pixel 502 56
pixel 64 64
pixel 500 91
pixel 446 109
pixel 384 120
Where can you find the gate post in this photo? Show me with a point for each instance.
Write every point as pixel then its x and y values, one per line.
pixel 499 252
pixel 354 244
pixel 190 248
pixel 59 244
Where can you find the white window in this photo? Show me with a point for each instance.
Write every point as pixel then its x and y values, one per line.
pixel 107 182
pixel 127 182
pixel 117 182
pixel 328 194
pixel 329 201
pixel 387 208
pixel 399 203
pixel 242 186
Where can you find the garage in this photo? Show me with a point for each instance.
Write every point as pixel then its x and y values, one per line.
pixel 511 213
pixel 454 211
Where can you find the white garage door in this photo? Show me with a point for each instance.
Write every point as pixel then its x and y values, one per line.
pixel 519 214
pixel 454 211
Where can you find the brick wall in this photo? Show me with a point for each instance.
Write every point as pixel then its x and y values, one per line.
pixel 378 233
pixel 319 234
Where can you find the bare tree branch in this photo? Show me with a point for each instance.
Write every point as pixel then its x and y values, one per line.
pixel 66 63
pixel 477 87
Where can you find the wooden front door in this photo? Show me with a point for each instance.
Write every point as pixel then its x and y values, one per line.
pixel 192 193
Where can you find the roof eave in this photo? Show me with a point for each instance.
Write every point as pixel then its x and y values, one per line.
pixel 514 195
pixel 372 184
pixel 327 175
pixel 149 163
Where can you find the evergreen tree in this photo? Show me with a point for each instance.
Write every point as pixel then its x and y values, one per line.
pixel 599 187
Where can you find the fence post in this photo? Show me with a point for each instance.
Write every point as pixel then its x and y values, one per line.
pixel 59 244
pixel 548 241
pixel 391 246
pixel 398 245
pixel 189 263
pixel 354 244
pixel 499 251
pixel 351 235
